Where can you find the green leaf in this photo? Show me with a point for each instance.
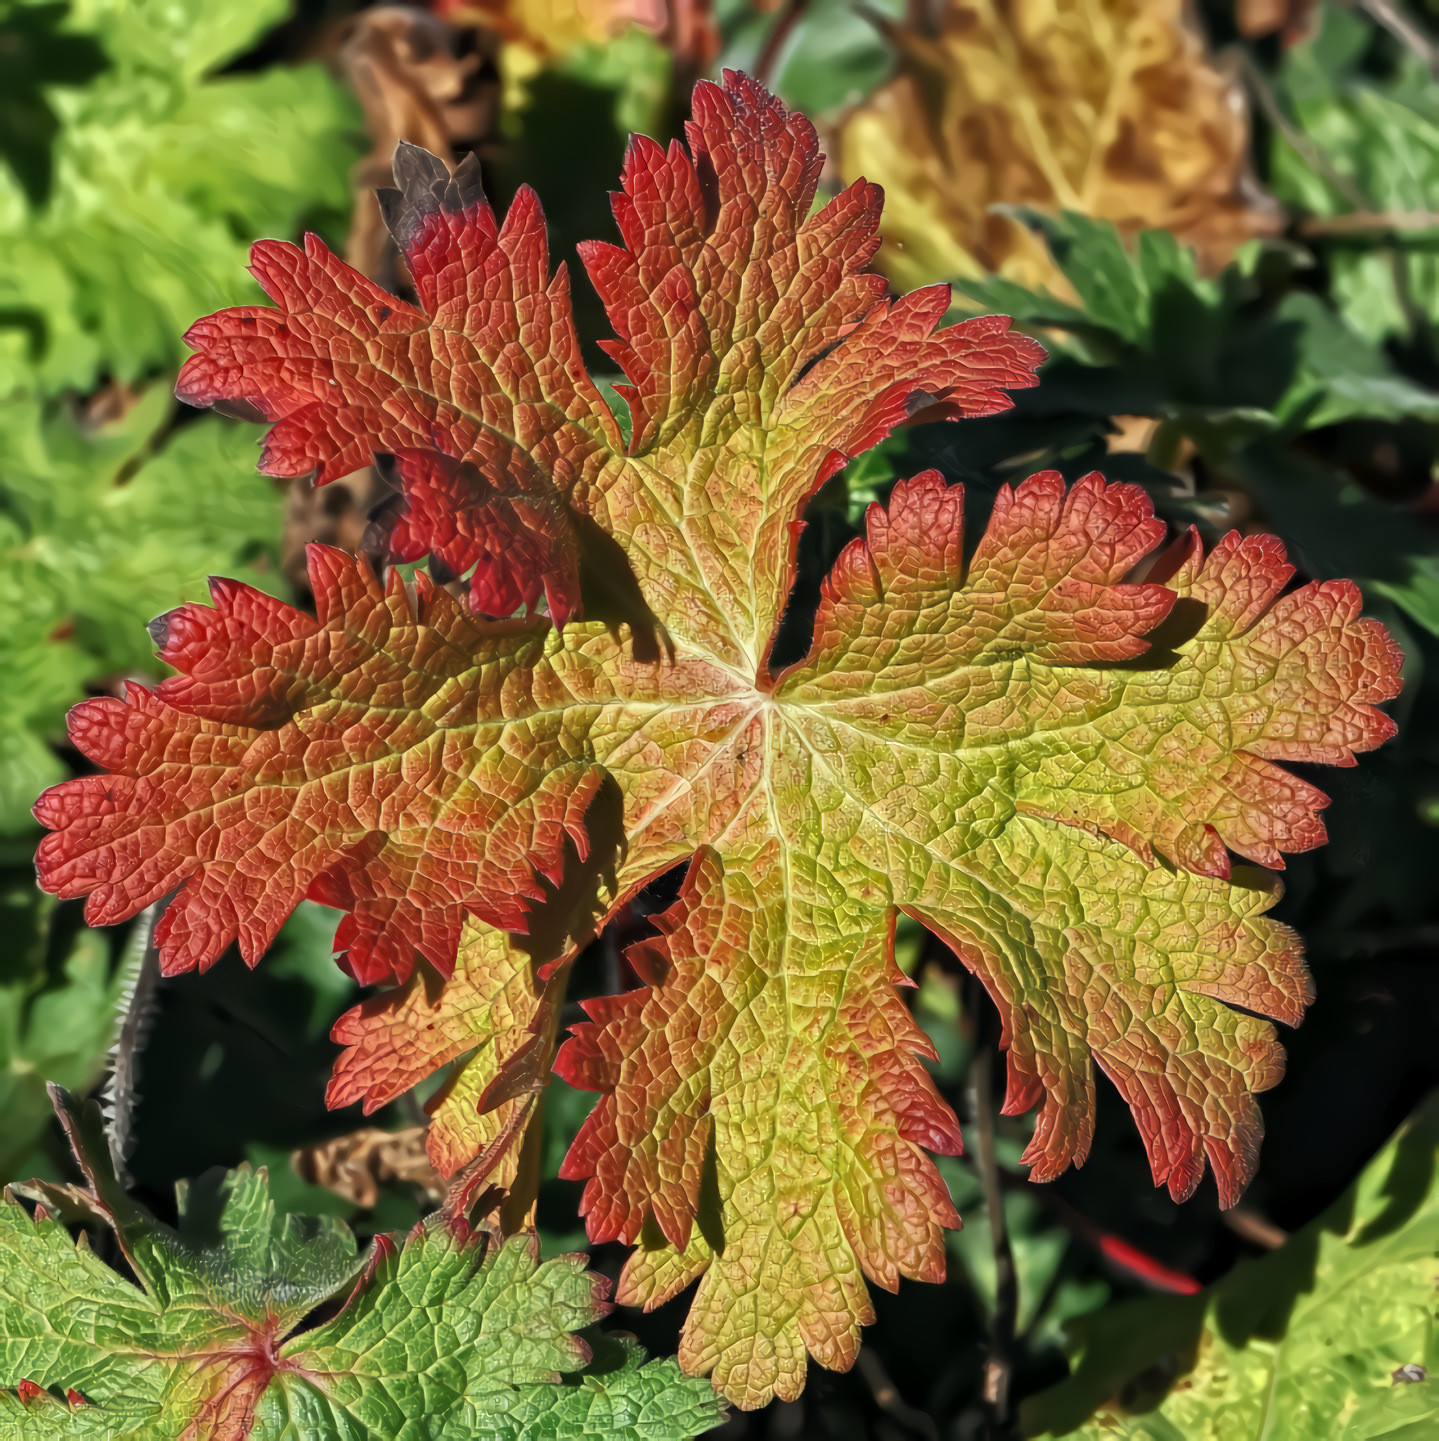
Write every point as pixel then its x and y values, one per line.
pixel 161 177
pixel 444 1336
pixel 1243 372
pixel 1377 143
pixel 36 53
pixel 832 56
pixel 103 527
pixel 1310 1341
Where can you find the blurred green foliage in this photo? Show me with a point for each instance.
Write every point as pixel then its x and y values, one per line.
pixel 103 525
pixel 58 997
pixel 162 173
pixel 1365 146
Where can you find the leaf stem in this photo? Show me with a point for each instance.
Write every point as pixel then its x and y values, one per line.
pixel 1403 29
pixel 140 980
pixel 789 17
pixel 999 1367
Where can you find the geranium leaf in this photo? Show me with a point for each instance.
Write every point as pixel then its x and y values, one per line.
pixel 725 290
pixel 493 1011
pixel 1042 760
pixel 443 1335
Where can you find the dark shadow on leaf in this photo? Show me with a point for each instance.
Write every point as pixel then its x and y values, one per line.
pixel 611 593
pixel 570 911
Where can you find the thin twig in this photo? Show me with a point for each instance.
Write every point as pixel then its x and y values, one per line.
pixel 1404 30
pixel 887 1398
pixel 1259 91
pixel 789 17
pixel 1254 1227
pixel 1114 1248
pixel 998 1368
pixel 1362 222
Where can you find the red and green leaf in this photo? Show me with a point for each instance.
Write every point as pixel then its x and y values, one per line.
pixel 1045 761
pixel 443 1333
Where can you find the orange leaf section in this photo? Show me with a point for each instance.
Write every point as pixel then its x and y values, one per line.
pixel 756 341
pixel 724 290
pixel 487 371
pixel 822 1135
pixel 1044 760
pixel 333 758
pixel 1000 748
pixel 493 1009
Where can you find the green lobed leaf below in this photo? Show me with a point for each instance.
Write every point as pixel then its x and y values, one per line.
pixel 444 1335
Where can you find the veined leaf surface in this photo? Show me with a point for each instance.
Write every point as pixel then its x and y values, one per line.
pixel 1042 760
pixel 444 1335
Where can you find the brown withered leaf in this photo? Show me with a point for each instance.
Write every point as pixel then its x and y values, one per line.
pixel 357 1165
pixel 1108 107
pixel 1292 19
pixel 418 80
pixel 337 514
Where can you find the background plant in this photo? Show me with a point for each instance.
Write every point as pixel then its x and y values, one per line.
pixel 1328 442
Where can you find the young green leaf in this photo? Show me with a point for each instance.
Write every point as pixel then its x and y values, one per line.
pixel 1377 146
pixel 444 1335
pixel 58 1016
pixel 1043 761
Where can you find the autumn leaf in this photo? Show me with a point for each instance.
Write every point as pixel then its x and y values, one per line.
pixel 443 1334
pixel 1106 107
pixel 1042 760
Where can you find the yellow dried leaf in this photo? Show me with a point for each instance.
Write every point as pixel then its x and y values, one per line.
pixel 554 27
pixel 1109 107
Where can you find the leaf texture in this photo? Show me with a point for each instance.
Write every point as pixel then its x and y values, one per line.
pixel 329 757
pixel 724 291
pixel 444 1335
pixel 1111 108
pixel 1045 761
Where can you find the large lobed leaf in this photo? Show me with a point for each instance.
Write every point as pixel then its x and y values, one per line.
pixel 1044 761
pixel 442 1336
